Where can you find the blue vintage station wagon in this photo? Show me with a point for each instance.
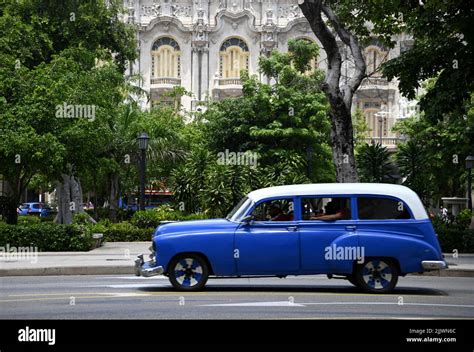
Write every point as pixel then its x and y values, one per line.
pixel 369 234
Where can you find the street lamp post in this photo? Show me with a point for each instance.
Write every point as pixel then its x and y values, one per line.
pixel 142 145
pixel 469 165
pixel 381 117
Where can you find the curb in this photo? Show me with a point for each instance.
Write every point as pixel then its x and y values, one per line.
pixel 449 273
pixel 69 270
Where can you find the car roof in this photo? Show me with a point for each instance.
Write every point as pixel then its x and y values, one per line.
pixel 323 189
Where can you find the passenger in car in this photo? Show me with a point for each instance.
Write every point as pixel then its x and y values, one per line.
pixel 335 210
pixel 276 214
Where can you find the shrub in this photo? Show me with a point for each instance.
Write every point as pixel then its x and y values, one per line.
pixel 452 238
pixel 126 232
pixel 28 220
pixel 455 234
pixel 46 237
pixel 151 218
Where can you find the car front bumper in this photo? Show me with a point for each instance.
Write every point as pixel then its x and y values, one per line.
pixel 147 269
pixel 434 265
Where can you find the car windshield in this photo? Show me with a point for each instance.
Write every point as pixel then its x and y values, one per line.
pixel 239 210
pixel 24 206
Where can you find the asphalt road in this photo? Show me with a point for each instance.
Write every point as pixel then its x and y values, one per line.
pixel 305 297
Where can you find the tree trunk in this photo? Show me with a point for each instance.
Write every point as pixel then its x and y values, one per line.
pixel 342 142
pixel 11 214
pixel 96 207
pixel 63 194
pixel 70 199
pixel 113 196
pixel 340 94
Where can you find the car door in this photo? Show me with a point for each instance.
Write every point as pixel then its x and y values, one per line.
pixel 266 246
pixel 321 240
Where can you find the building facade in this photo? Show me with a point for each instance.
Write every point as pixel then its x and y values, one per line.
pixel 202 45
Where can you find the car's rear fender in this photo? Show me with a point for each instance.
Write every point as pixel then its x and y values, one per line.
pixel 408 250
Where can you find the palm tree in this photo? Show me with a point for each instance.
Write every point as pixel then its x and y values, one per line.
pixel 412 160
pixel 374 164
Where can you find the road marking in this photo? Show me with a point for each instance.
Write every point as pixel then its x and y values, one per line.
pixel 93 295
pixel 131 285
pixel 289 304
pixel 393 304
pixel 64 293
pixel 256 304
pixel 158 277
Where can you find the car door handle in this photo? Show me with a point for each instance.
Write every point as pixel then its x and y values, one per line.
pixel 351 228
pixel 292 228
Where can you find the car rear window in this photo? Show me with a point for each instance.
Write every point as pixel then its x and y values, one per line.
pixel 36 206
pixel 378 208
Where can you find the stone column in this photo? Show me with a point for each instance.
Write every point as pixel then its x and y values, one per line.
pixel 200 57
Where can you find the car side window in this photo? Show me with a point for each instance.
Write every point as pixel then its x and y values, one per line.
pixel 274 210
pixel 378 208
pixel 326 208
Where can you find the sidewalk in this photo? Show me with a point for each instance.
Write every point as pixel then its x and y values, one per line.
pixel 118 258
pixel 111 258
pixel 462 266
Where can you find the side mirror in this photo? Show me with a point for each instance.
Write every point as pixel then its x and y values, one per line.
pixel 247 219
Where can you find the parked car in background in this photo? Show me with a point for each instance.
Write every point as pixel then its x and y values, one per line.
pixel 368 234
pixel 34 208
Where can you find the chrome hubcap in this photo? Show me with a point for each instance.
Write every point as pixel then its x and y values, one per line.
pixel 377 274
pixel 188 272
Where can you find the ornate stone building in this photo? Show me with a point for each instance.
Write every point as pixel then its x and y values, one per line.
pixel 202 45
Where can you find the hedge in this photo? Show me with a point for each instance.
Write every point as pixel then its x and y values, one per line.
pixel 47 237
pixel 455 233
pixel 454 238
pixel 126 232
pixel 151 218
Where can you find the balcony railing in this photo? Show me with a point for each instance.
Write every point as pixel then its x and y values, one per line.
pixel 229 81
pixel 375 82
pixel 166 80
pixel 384 140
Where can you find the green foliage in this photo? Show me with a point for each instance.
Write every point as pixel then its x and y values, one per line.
pixel 361 128
pixel 463 219
pixel 285 126
pixel 413 162
pixel 374 164
pixel 455 239
pixel 126 232
pixel 29 220
pixel 455 235
pixel 442 45
pixel 301 53
pixel 151 218
pixel 433 159
pixel 48 58
pixel 46 237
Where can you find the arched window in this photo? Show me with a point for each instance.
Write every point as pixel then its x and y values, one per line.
pixel 374 58
pixel 165 59
pixel 233 58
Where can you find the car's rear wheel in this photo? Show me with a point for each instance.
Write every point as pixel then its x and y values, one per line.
pixel 188 272
pixel 376 275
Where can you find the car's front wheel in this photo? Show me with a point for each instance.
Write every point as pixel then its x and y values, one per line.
pixel 188 272
pixel 377 275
